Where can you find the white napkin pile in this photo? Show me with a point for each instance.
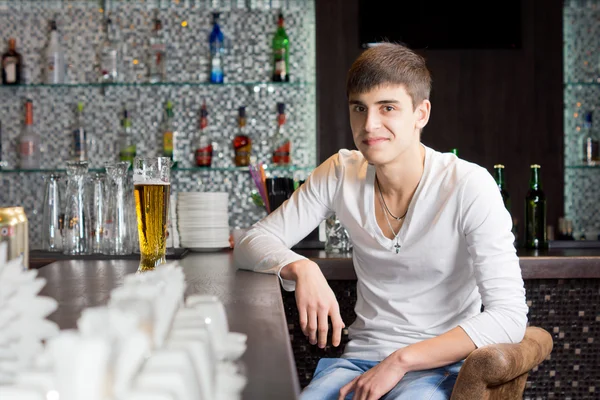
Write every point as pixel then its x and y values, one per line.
pixel 145 345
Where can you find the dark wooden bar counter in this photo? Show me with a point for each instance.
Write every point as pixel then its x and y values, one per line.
pixel 252 301
pixel 561 290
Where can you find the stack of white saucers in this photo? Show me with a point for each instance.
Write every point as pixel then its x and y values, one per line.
pixel 203 220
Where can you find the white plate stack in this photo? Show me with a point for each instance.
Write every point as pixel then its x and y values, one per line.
pixel 203 220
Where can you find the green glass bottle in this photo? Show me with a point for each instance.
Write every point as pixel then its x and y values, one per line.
pixel 169 134
pixel 535 212
pixel 499 176
pixel 127 147
pixel 281 52
pixel 454 151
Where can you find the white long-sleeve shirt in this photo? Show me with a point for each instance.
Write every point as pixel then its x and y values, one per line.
pixel 456 253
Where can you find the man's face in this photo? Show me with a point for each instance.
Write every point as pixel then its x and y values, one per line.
pixel 384 124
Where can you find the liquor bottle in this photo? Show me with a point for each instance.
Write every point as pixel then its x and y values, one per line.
pixel 169 135
pixel 204 148
pixel 280 144
pixel 590 142
pixel 109 56
pixel 535 212
pixel 29 142
pixel 55 58
pixel 157 63
pixel 281 50
pixel 127 147
pixel 499 176
pixel 11 64
pixel 216 51
pixel 242 144
pixel 79 150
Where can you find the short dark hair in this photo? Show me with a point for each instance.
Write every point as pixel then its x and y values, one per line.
pixel 390 63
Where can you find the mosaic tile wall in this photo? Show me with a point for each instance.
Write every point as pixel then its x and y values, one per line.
pixel 581 24
pixel 249 26
pixel 565 308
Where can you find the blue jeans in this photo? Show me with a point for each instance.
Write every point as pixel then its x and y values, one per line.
pixel 333 373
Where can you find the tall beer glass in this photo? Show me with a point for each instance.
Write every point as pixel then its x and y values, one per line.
pixel 152 188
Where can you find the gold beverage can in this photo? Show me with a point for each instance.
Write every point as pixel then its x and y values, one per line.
pixel 14 230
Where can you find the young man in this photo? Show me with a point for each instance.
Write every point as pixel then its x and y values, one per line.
pixel 431 238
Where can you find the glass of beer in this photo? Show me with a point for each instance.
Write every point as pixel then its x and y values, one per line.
pixel 152 188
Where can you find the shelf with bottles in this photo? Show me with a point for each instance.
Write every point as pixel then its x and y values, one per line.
pixel 194 152
pixel 128 56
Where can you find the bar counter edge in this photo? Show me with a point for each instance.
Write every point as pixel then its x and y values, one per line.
pixel 542 264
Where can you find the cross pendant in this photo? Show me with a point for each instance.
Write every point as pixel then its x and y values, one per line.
pixel 397 246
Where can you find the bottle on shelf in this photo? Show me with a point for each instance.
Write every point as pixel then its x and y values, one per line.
pixel 169 135
pixel 79 134
pixel 216 51
pixel 242 144
pixel 281 50
pixel 109 57
pixel 127 147
pixel 500 181
pixel 12 64
pixel 29 142
pixel 157 62
pixel 280 144
pixel 590 142
pixel 499 176
pixel 55 58
pixel 535 212
pixel 204 148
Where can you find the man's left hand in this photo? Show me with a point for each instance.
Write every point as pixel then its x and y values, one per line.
pixel 376 382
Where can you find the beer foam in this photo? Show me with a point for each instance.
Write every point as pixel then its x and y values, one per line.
pixel 141 181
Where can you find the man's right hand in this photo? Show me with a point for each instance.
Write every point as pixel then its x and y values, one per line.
pixel 316 302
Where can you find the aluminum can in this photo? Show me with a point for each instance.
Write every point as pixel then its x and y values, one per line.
pixel 14 230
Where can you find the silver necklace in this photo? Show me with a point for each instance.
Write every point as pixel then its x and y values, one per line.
pixel 385 205
pixel 397 245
